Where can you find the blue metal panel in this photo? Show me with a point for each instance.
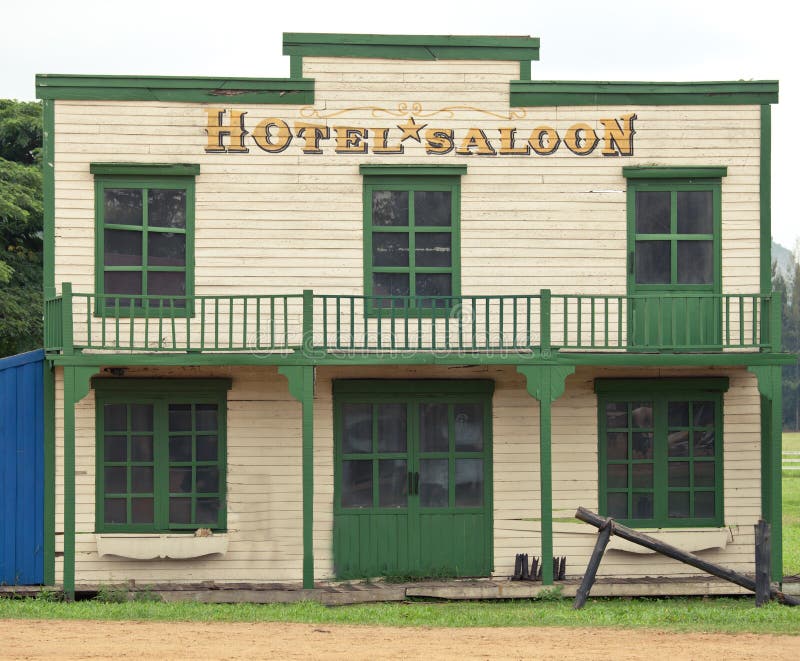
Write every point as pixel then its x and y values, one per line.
pixel 22 469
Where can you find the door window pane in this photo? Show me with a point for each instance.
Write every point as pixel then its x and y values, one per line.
pixel 678 444
pixel 207 511
pixel 642 476
pixel 122 282
pixel 142 448
pixel 142 479
pixel 703 445
pixel 180 479
pixel 642 415
pixel 207 448
pixel 122 248
pixel 617 445
pixel 617 415
pixel 166 283
pixel 180 510
pixel 703 414
pixel 468 419
pixel 695 212
pixel 389 208
pixel 695 262
pixel 678 504
pixel 678 414
pixel 207 479
pixel 392 420
pixel 642 445
pixel 678 474
pixel 433 284
pixel 431 248
pixel 432 208
pixel 652 212
pixel 180 448
pixel 617 476
pixel 116 479
pixel 115 510
pixel 115 417
pixel 166 208
pixel 357 483
pixel 115 448
pixel 704 504
pixel 643 506
pixel 122 206
pixel 617 505
pixel 166 249
pixel 433 428
pixel 433 483
pixel 469 482
pixel 180 417
pixel 704 474
pixel 141 510
pixel 653 262
pixel 392 483
pixel 357 432
pixel 142 417
pixel 389 249
pixel 390 284
pixel 205 417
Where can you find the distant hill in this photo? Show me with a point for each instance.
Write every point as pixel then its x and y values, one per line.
pixel 785 259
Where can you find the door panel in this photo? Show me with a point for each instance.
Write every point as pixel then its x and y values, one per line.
pixel 670 321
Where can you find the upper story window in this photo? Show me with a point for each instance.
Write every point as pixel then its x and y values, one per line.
pixel 145 230
pixel 411 236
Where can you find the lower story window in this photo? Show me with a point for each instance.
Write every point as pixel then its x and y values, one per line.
pixel 160 454
pixel 660 451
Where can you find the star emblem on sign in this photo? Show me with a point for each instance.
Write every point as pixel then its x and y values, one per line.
pixel 411 130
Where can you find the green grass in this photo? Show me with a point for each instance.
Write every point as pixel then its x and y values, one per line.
pixel 707 615
pixel 791 441
pixel 791 523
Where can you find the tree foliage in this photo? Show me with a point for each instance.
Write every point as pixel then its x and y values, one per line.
pixel 20 227
pixel 790 318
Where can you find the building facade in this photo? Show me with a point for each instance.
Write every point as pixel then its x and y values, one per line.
pixel 401 314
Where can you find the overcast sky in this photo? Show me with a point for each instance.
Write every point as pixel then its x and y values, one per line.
pixel 676 40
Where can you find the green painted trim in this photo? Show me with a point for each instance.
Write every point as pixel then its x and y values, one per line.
pixel 673 172
pixel 411 386
pixel 525 70
pixel 410 169
pixel 49 197
pixel 662 385
pixel 765 198
pixel 283 91
pixel 159 388
pixel 589 93
pixel 49 474
pixel 145 169
pixel 301 387
pixel 411 47
pixel 546 384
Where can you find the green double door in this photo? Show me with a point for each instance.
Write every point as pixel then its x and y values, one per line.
pixel 412 478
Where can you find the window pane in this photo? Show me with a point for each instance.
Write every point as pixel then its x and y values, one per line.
pixel 357 483
pixel 389 249
pixel 207 479
pixel 115 448
pixel 469 482
pixel 432 208
pixel 166 208
pixel 432 249
pixel 180 479
pixel 116 479
pixel 168 283
pixel 389 208
pixel 642 415
pixel 205 416
pixel 180 417
pixel 433 483
pixel 703 445
pixel 617 445
pixel 180 510
pixel 617 415
pixel 115 417
pixel 617 476
pixel 642 445
pixel 653 262
pixel 142 448
pixel 704 504
pixel 115 510
pixel 695 262
pixel 166 249
pixel 468 427
pixel 357 423
pixel 695 214
pixel 617 505
pixel 704 473
pixel 678 504
pixel 392 483
pixel 122 248
pixel 678 444
pixel 207 511
pixel 142 510
pixel 678 474
pixel 141 417
pixel 652 212
pixel 122 282
pixel 122 206
pixel 433 428
pixel 642 506
pixel 642 476
pixel 433 284
pixel 206 448
pixel 142 479
pixel 390 284
pixel 180 448
pixel 678 414
pixel 392 420
pixel 703 414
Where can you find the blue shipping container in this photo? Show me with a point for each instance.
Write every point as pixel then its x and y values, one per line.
pixel 22 469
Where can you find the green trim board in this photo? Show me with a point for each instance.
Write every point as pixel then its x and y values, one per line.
pixel 160 454
pixel 765 197
pixel 411 47
pixel 674 172
pixel 539 93
pixel 49 197
pixel 152 206
pixel 660 451
pixel 186 89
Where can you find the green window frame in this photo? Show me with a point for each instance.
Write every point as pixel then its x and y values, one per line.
pixel 144 239
pixel 660 451
pixel 160 454
pixel 674 229
pixel 414 263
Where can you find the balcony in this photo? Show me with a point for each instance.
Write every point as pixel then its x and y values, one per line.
pixel 319 324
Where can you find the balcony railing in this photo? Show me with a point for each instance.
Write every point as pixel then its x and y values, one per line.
pixel 343 324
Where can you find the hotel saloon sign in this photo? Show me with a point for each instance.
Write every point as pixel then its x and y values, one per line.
pixel 231 131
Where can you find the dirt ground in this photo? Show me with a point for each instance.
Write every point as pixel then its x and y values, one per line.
pixel 31 639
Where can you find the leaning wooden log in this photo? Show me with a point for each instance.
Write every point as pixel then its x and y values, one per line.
pixel 672 552
pixel 603 535
pixel 762 562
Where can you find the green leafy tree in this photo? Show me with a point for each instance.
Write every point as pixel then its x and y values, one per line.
pixel 790 327
pixel 20 227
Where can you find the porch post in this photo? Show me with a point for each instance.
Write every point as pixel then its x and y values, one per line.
pixel 546 383
pixel 301 387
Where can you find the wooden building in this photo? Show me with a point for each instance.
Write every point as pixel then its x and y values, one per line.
pixel 401 313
